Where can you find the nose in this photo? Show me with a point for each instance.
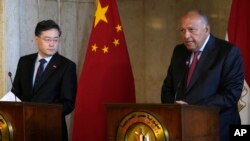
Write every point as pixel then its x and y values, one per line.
pixel 51 43
pixel 185 33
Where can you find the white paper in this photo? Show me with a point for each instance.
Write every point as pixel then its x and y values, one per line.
pixel 10 97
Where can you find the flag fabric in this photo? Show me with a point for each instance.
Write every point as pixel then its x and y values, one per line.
pixel 106 76
pixel 239 34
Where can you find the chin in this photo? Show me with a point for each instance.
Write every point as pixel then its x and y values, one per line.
pixel 51 53
pixel 191 48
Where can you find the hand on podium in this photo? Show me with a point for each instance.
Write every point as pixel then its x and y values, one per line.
pixel 180 102
pixel 10 97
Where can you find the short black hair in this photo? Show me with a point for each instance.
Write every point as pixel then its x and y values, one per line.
pixel 46 25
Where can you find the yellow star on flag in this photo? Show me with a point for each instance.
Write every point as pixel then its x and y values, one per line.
pixel 100 13
pixel 94 47
pixel 105 49
pixel 118 28
pixel 116 42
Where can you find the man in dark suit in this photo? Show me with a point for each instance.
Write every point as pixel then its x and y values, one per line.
pixel 52 81
pixel 217 76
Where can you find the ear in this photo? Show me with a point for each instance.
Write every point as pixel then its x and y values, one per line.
pixel 207 28
pixel 36 39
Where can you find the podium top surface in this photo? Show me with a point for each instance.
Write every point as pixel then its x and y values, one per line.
pixel 155 105
pixel 7 103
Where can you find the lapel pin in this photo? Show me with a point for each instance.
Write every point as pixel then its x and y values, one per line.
pixel 54 66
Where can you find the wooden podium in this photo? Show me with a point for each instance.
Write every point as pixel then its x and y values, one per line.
pixel 22 121
pixel 179 122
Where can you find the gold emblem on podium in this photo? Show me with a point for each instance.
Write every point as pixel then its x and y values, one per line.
pixel 6 130
pixel 141 126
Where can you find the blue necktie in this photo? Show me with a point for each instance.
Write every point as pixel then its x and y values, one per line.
pixel 39 71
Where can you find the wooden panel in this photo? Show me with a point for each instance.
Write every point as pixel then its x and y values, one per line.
pixel 183 122
pixel 34 122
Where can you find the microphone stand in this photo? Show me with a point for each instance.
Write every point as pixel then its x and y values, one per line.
pixel 10 76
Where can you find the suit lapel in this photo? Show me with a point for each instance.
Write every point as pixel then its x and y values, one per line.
pixel 30 67
pixel 202 65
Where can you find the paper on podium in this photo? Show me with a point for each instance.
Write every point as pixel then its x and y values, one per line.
pixel 10 97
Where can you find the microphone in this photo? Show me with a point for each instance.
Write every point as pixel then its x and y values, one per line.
pixel 182 80
pixel 10 76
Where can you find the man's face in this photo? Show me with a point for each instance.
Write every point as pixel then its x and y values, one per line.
pixel 48 42
pixel 194 31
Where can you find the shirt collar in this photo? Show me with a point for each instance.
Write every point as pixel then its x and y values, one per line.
pixel 204 44
pixel 46 58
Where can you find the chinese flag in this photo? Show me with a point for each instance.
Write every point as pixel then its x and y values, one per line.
pixel 106 76
pixel 239 34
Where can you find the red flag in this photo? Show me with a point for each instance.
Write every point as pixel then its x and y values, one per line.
pixel 239 34
pixel 106 76
pixel 239 31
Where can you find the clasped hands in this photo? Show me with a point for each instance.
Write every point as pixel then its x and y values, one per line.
pixel 180 102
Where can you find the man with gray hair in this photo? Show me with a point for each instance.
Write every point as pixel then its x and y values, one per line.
pixel 205 70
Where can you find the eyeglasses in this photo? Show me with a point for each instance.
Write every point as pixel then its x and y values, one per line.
pixel 49 40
